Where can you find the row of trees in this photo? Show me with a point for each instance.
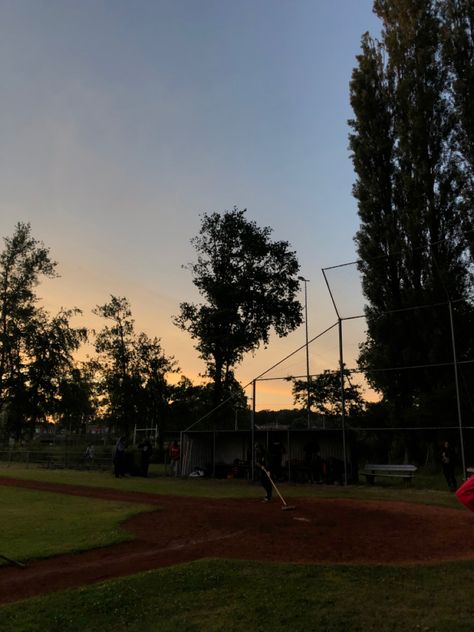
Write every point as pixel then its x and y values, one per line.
pixel 249 285
pixel 412 143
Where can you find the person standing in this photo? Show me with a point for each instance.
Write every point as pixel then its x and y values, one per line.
pixel 276 450
pixel 264 463
pixel 312 459
pixel 447 462
pixel 89 455
pixel 119 457
pixel 146 450
pixel 174 454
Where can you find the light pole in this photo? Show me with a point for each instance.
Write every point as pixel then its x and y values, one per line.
pixel 308 410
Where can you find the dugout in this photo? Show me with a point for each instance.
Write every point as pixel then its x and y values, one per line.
pixel 228 453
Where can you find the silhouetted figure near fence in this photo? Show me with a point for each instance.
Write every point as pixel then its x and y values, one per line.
pixel 447 462
pixel 146 450
pixel 276 450
pixel 119 457
pixel 89 455
pixel 313 463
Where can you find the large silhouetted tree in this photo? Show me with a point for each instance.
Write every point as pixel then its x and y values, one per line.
pixel 36 350
pixel 458 49
pixel 131 369
pixel 249 285
pixel 409 189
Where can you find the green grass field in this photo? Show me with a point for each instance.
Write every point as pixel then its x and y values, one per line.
pixel 213 595
pixel 40 524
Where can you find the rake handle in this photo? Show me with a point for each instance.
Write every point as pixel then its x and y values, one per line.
pixel 274 486
pixel 8 559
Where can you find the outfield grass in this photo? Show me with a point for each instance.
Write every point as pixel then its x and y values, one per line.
pixel 425 490
pixel 41 524
pixel 212 596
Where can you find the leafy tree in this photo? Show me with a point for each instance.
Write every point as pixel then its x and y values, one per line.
pixel 76 402
pixel 153 366
pixel 249 285
pixel 23 262
pixel 114 348
pixel 409 188
pixel 35 348
pixel 325 394
pixel 131 369
pixel 50 348
pixel 190 402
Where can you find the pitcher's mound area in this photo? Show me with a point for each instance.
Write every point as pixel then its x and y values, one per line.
pixel 185 529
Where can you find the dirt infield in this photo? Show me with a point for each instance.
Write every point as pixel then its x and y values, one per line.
pixel 185 529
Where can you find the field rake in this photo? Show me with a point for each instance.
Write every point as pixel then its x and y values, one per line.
pixel 11 561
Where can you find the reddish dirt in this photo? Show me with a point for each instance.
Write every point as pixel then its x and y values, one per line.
pixel 185 529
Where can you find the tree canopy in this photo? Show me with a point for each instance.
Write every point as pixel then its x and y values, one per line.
pixel 249 285
pixel 325 394
pixel 132 370
pixel 35 348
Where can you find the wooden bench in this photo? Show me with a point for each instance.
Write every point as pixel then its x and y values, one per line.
pixel 406 472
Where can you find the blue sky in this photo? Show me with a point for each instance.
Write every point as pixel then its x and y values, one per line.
pixel 122 121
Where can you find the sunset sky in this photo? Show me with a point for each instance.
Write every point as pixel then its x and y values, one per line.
pixel 122 121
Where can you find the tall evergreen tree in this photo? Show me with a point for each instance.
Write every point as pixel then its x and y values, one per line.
pixel 458 48
pixel 408 188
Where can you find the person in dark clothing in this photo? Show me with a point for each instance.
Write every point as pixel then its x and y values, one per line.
pixel 262 461
pixel 119 457
pixel 312 459
pixel 276 450
pixel 146 450
pixel 447 462
pixel 89 455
